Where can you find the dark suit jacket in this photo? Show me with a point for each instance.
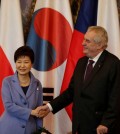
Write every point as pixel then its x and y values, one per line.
pixel 94 101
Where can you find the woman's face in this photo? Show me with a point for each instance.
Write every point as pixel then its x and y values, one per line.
pixel 23 65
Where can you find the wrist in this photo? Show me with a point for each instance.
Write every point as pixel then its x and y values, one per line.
pixel 33 112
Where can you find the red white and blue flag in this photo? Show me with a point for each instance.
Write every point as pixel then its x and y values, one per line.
pixel 11 37
pixel 87 16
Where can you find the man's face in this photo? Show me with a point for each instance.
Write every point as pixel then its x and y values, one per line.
pixel 90 48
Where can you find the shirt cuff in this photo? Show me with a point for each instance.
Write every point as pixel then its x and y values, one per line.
pixel 50 107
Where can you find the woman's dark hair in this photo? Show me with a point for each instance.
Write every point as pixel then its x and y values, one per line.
pixel 24 51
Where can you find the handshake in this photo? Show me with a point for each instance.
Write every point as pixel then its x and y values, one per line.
pixel 40 111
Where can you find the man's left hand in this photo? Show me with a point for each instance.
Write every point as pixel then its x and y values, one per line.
pixel 102 129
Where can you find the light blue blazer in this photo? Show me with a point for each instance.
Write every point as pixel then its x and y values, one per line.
pixel 16 118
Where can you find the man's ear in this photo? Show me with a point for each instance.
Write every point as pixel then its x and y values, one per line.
pixel 99 46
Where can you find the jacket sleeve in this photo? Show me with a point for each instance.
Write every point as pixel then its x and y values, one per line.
pixel 64 99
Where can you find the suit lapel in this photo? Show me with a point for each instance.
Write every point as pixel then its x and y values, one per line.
pixel 83 68
pixel 31 89
pixel 17 86
pixel 96 68
pixel 33 86
pixel 80 71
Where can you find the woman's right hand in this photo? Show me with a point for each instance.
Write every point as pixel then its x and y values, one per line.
pixel 35 112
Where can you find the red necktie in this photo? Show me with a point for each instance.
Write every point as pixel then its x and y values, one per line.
pixel 89 69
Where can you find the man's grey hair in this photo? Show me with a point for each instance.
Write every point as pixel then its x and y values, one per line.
pixel 101 35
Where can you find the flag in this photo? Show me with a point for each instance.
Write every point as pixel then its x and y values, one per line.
pixel 87 16
pixel 11 37
pixel 108 18
pixel 50 35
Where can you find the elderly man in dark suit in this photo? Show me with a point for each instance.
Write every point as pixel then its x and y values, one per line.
pixel 94 98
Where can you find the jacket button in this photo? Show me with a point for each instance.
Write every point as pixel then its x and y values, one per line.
pixel 23 126
pixel 25 103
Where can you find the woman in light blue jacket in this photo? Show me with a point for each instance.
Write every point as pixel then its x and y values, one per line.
pixel 21 95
